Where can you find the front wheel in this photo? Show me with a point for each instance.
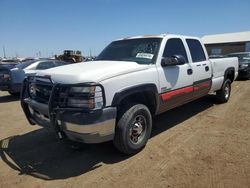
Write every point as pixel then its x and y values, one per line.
pixel 133 129
pixel 224 93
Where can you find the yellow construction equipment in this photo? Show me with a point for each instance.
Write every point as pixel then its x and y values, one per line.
pixel 71 56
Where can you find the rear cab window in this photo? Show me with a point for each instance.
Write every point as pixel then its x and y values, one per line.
pixel 196 50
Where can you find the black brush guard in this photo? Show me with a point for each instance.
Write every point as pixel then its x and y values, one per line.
pixel 53 106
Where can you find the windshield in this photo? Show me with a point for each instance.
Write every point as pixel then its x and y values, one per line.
pixel 25 64
pixel 142 51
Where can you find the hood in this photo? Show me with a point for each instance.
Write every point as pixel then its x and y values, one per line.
pixel 7 66
pixel 92 71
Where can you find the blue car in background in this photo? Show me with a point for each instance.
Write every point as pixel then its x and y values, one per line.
pixel 12 75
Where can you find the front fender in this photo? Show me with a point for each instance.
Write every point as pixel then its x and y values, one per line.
pixel 119 96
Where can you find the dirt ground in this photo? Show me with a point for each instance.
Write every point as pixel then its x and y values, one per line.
pixel 201 144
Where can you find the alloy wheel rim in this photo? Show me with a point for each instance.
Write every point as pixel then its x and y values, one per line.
pixel 227 91
pixel 138 129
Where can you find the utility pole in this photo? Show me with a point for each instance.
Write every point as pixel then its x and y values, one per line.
pixel 90 53
pixel 4 53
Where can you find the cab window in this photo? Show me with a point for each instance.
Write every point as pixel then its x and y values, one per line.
pixel 175 46
pixel 196 50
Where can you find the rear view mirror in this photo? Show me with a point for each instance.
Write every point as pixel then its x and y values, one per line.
pixel 172 61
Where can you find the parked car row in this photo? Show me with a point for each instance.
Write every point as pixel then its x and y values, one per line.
pixel 12 75
pixel 244 63
pixel 9 61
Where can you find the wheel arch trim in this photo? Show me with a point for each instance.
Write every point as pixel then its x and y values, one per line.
pixel 120 95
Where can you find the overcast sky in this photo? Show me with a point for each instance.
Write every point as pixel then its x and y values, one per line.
pixel 50 26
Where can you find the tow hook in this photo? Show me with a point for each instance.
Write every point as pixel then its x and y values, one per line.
pixel 60 135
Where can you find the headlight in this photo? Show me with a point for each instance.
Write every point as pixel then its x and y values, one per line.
pixel 6 76
pixel 89 97
pixel 82 89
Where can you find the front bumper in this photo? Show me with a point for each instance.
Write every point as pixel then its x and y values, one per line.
pixel 88 127
pixel 93 127
pixel 244 72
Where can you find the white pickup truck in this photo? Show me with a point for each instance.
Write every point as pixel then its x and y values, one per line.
pixel 115 96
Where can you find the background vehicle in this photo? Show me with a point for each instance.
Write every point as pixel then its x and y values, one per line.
pixel 216 56
pixel 115 96
pixel 244 64
pixel 70 56
pixel 12 76
pixel 9 61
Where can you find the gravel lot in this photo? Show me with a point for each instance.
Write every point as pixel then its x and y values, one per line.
pixel 201 144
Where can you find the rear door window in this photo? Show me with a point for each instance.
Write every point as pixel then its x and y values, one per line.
pixel 196 50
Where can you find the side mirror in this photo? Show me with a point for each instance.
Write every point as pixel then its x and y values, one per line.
pixel 172 61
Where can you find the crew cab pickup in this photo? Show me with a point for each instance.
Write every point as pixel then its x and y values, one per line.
pixel 115 96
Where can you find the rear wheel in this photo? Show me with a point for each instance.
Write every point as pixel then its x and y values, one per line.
pixel 224 93
pixel 248 76
pixel 133 129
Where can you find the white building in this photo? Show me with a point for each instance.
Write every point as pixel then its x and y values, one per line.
pixel 227 43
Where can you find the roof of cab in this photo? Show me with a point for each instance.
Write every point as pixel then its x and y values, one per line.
pixel 157 36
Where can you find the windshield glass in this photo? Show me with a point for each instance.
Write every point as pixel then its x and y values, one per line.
pixel 25 64
pixel 142 51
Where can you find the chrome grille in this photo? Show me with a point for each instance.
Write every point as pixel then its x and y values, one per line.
pixel 40 91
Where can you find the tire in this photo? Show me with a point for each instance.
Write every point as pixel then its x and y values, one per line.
pixel 224 93
pixel 72 60
pixel 248 76
pixel 133 129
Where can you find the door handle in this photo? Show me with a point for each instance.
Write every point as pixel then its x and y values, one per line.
pixel 190 71
pixel 206 68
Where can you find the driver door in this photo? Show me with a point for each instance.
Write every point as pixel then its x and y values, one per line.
pixel 176 81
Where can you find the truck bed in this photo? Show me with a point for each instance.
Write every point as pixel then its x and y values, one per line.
pixel 219 67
